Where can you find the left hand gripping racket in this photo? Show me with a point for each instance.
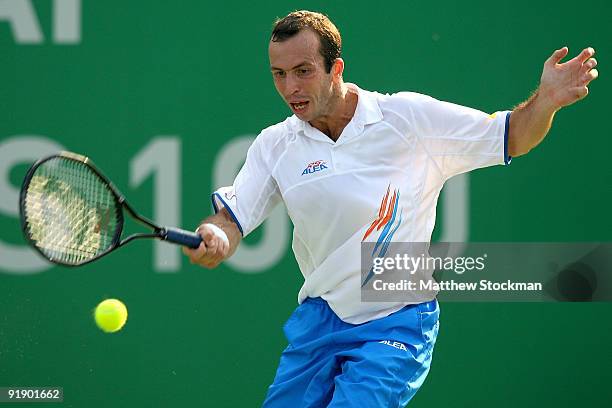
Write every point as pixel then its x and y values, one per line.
pixel 72 214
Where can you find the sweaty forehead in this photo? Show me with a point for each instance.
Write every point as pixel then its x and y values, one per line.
pixel 302 47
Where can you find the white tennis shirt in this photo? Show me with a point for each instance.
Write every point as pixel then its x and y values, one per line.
pixel 402 146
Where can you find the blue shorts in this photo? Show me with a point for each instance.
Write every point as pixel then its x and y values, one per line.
pixel 330 363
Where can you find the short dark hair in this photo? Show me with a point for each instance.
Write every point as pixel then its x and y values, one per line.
pixel 329 36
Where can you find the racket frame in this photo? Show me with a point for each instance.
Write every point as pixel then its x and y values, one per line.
pixel 120 204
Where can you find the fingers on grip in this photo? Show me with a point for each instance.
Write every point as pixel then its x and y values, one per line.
pixel 211 251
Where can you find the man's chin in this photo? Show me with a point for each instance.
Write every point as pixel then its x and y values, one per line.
pixel 305 116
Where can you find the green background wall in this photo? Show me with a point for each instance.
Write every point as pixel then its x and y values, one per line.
pixel 197 71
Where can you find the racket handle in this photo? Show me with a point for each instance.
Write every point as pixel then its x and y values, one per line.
pixel 181 237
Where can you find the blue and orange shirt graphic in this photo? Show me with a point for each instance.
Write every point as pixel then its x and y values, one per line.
pixel 387 222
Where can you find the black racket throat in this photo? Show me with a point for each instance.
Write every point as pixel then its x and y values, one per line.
pixel 162 233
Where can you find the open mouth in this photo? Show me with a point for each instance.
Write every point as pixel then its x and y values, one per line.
pixel 299 107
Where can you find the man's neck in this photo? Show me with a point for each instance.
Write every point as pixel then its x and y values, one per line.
pixel 341 112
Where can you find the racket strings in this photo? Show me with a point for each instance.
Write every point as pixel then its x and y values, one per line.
pixel 70 212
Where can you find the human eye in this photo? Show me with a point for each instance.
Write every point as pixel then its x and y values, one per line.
pixel 278 74
pixel 303 72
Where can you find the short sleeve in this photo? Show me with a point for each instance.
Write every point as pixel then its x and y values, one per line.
pixel 459 138
pixel 254 193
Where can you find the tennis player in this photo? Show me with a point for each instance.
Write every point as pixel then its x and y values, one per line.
pixel 355 166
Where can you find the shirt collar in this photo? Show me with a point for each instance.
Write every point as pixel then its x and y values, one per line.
pixel 366 113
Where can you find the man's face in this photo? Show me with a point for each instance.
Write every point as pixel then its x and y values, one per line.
pixel 299 75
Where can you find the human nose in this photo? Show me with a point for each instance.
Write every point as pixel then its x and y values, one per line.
pixel 292 84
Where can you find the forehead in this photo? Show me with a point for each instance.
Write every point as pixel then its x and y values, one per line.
pixel 302 47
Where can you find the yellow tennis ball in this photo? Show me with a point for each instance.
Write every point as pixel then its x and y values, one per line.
pixel 111 315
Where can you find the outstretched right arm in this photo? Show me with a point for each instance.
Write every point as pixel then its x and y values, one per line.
pixel 243 206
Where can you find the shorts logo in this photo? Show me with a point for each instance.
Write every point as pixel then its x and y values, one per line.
pixel 315 166
pixel 396 344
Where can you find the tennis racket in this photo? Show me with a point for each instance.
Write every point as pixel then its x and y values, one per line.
pixel 73 215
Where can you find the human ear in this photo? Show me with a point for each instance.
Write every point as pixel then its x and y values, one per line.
pixel 338 68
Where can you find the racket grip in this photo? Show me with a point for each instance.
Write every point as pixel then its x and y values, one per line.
pixel 181 237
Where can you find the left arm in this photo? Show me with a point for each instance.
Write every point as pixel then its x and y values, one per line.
pixel 560 85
